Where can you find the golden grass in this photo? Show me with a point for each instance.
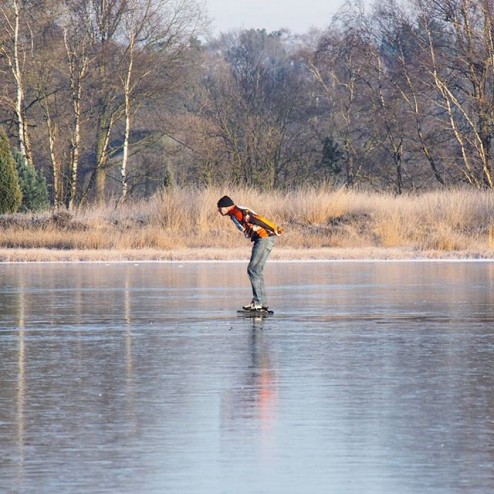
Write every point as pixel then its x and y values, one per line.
pixel 319 223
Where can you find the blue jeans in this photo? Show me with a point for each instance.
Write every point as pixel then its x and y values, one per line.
pixel 260 252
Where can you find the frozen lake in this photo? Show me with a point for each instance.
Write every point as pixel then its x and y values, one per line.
pixel 371 377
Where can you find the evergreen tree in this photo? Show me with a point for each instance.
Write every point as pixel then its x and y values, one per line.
pixel 10 191
pixel 331 157
pixel 33 186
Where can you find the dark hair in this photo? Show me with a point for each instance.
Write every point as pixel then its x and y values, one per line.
pixel 225 202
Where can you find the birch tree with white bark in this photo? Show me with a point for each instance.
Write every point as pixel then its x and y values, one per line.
pixel 155 36
pixel 459 37
pixel 14 49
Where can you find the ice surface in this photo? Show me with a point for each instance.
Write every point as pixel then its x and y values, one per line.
pixel 140 377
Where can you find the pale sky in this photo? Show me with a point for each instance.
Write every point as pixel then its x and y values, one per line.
pixel 296 15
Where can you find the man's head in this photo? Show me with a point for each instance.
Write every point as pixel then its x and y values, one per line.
pixel 225 204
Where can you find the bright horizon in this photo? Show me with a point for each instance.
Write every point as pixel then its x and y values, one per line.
pixel 299 16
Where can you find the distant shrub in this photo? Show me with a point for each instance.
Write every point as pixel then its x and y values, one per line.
pixel 33 186
pixel 10 191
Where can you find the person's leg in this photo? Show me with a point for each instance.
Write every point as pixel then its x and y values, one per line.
pixel 260 252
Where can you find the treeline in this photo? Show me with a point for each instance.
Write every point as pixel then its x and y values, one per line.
pixel 119 98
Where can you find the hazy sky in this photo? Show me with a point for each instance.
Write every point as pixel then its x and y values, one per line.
pixel 297 15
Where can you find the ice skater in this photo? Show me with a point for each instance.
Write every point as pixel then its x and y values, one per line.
pixel 261 232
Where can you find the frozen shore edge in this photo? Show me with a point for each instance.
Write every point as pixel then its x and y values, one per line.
pixel 282 254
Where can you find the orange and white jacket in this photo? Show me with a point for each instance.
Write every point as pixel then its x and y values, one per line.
pixel 252 225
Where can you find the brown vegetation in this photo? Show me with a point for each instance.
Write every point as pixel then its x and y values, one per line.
pixel 319 224
pixel 121 98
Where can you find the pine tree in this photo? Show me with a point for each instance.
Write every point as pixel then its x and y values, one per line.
pixel 33 186
pixel 10 191
pixel 331 157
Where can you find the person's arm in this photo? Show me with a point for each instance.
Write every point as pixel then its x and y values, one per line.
pixel 238 224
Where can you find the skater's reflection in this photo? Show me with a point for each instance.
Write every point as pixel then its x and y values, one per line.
pixel 254 396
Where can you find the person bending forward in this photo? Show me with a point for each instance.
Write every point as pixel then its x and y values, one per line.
pixel 261 232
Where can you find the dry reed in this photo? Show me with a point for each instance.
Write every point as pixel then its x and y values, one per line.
pixel 181 222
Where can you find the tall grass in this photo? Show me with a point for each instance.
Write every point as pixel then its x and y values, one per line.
pixel 313 218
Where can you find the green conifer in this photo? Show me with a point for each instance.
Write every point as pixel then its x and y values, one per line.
pixel 10 191
pixel 33 186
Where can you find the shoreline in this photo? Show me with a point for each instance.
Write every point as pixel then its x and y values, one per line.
pixel 206 254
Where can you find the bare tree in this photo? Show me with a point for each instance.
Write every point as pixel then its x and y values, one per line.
pixel 251 101
pixel 414 92
pixel 340 67
pixel 13 48
pixel 459 37
pixel 156 36
pixel 77 50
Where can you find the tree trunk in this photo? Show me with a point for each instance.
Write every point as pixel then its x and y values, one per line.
pixel 24 145
pixel 127 96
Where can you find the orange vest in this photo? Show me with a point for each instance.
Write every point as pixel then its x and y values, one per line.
pixel 251 224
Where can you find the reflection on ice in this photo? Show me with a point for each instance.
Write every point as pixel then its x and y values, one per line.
pixel 370 377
